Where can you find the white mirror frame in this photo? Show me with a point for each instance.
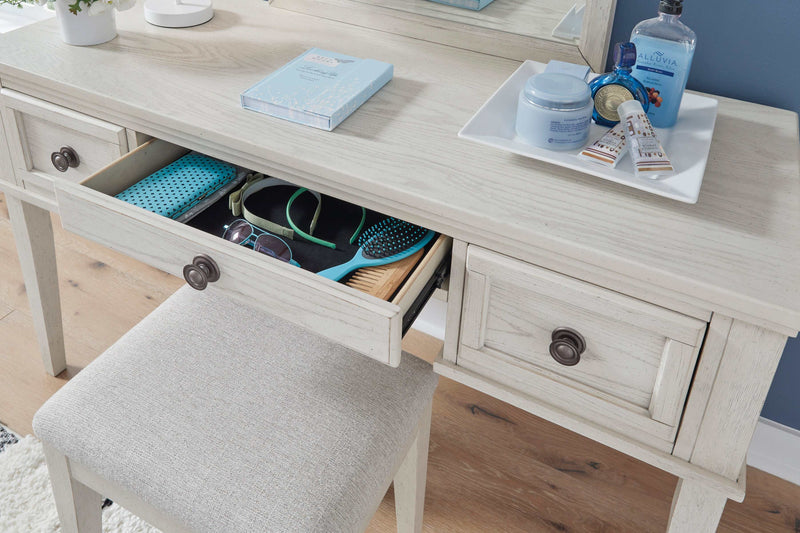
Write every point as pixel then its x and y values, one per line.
pixel 591 49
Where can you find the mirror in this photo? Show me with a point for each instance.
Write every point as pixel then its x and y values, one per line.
pixel 516 29
pixel 534 18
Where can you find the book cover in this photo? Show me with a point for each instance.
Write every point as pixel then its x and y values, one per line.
pixel 475 5
pixel 318 88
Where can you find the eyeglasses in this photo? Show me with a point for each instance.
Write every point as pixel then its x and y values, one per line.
pixel 242 232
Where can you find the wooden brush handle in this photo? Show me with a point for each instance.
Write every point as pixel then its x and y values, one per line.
pixel 383 281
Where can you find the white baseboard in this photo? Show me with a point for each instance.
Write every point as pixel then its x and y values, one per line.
pixel 431 318
pixel 775 448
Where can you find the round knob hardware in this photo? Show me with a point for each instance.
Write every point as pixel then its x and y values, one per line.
pixel 567 346
pixel 65 159
pixel 201 272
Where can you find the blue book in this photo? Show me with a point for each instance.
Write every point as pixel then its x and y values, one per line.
pixel 318 88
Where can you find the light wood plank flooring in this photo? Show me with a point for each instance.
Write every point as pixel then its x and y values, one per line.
pixel 493 468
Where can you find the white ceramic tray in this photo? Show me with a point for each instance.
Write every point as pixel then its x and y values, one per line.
pixel 687 143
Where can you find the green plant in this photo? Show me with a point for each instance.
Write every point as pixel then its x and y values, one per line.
pixel 19 3
pixel 98 6
pixel 76 6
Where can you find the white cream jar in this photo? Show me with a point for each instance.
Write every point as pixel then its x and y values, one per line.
pixel 554 111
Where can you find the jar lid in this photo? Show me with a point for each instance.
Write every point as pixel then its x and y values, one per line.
pixel 557 91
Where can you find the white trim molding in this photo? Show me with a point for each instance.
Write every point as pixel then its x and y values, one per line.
pixel 431 319
pixel 775 449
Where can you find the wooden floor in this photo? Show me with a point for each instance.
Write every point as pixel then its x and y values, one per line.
pixel 493 468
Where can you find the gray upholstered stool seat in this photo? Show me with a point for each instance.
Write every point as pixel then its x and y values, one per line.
pixel 229 420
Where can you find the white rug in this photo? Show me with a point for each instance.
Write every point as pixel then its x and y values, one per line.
pixel 26 499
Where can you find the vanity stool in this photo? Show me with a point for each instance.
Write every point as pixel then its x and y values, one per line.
pixel 211 416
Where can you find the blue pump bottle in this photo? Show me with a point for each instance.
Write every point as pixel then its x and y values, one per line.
pixel 665 48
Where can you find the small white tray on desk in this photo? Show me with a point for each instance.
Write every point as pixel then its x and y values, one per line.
pixel 687 143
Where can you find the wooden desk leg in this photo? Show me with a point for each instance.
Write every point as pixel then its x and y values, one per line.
pixel 33 233
pixel 695 508
pixel 739 387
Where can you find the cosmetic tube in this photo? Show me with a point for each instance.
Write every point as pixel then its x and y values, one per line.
pixel 649 158
pixel 608 149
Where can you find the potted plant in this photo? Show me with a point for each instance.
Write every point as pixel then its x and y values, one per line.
pixel 83 22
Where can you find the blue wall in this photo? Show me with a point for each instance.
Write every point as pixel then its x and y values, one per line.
pixel 746 50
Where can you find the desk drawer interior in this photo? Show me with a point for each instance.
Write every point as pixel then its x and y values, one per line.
pixel 363 322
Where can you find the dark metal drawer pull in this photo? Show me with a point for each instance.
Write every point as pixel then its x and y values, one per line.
pixel 65 159
pixel 201 272
pixel 567 346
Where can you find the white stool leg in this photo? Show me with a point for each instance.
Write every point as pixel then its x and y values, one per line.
pixel 78 506
pixel 409 481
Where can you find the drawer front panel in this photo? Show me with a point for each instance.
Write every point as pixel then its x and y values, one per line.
pixel 638 359
pixel 37 129
pixel 352 318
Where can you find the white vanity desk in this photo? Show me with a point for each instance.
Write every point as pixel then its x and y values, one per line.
pixel 685 309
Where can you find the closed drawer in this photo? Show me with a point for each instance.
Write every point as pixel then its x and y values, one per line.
pixel 352 318
pixel 38 129
pixel 637 361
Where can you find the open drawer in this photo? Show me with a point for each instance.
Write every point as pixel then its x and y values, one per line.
pixel 352 318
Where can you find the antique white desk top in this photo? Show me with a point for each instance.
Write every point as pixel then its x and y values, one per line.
pixel 735 251
pixel 728 265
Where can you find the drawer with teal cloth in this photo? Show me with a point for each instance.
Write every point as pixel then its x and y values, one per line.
pixel 178 187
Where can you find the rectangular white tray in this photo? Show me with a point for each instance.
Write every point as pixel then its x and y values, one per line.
pixel 687 143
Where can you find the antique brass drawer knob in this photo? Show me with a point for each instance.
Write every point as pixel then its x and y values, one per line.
pixel 201 272
pixel 65 159
pixel 567 346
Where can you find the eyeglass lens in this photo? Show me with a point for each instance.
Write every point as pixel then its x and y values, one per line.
pixel 239 231
pixel 273 246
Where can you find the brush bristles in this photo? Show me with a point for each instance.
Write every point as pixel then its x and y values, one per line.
pixel 389 237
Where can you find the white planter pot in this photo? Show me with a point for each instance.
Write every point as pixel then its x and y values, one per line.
pixel 84 29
